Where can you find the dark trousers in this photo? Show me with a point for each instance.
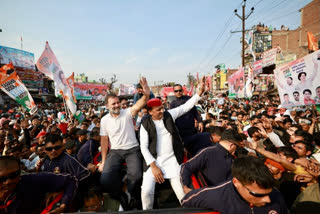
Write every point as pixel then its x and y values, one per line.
pixel 111 176
pixel 196 142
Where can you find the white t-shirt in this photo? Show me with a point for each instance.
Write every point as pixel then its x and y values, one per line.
pixel 166 159
pixel 120 130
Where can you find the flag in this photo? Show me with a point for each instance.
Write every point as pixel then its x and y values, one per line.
pixel 70 81
pixel 312 42
pixel 4 70
pixel 14 88
pixel 49 65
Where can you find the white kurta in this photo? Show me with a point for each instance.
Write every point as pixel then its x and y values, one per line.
pixel 166 159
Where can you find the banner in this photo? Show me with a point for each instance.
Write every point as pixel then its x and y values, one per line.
pixel 4 69
pixel 257 67
pixel 49 65
pixel 90 91
pixel 236 84
pixel 127 89
pixel 299 81
pixel 249 81
pixel 312 42
pixel 18 58
pixel 269 57
pixel 249 40
pixel 15 89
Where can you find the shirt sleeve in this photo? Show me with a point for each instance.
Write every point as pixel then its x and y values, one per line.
pixel 76 169
pixel 177 112
pixel 195 164
pixel 144 146
pixel 275 139
pixel 198 198
pixel 103 127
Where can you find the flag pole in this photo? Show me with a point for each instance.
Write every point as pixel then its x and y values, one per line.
pixel 21 43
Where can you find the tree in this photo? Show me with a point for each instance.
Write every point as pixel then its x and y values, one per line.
pixel 113 80
pixel 103 80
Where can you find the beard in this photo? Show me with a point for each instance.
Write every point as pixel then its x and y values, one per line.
pixel 115 111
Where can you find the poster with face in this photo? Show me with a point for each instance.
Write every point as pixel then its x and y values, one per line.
pixel 236 84
pixel 298 82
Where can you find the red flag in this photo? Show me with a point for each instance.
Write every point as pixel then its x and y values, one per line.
pixel 312 42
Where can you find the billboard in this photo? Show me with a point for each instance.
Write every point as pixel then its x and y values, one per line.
pixel 19 58
pixel 90 91
pixel 299 81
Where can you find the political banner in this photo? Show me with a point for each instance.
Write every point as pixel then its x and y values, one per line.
pixel 18 58
pixel 248 43
pixel 127 89
pixel 299 81
pixel 90 91
pixel 49 65
pixel 249 81
pixel 15 89
pixel 257 67
pixel 269 57
pixel 236 84
pixel 4 70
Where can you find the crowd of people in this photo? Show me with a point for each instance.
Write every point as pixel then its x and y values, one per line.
pixel 243 156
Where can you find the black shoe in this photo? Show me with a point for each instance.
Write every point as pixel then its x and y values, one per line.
pixel 124 201
pixel 135 204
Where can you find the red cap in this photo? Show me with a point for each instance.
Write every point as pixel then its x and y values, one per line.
pixel 10 111
pixel 154 102
pixel 275 164
pixel 43 133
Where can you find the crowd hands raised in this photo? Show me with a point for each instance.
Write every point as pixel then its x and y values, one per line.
pixel 231 156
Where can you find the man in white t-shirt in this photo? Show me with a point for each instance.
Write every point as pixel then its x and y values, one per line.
pixel 162 147
pixel 118 137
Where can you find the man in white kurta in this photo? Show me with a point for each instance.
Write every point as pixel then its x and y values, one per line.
pixel 165 165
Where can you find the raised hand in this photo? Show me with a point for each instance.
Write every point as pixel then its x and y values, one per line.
pixel 145 86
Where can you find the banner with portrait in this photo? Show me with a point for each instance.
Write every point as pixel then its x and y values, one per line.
pixel 15 89
pixel 127 89
pixel 298 82
pixel 49 65
pixel 90 91
pixel 236 84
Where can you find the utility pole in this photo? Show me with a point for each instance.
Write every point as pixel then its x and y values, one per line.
pixel 243 19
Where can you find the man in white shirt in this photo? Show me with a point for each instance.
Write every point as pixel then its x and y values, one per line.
pixel 162 147
pixel 117 133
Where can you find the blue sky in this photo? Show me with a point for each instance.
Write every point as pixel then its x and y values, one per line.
pixel 163 40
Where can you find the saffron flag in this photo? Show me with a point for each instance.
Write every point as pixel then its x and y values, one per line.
pixel 312 42
pixel 4 69
pixel 49 65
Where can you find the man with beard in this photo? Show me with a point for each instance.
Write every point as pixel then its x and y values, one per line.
pixel 296 96
pixel 118 133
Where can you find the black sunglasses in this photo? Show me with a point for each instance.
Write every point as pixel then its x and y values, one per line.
pixel 49 149
pixel 176 91
pixel 258 195
pixel 10 176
